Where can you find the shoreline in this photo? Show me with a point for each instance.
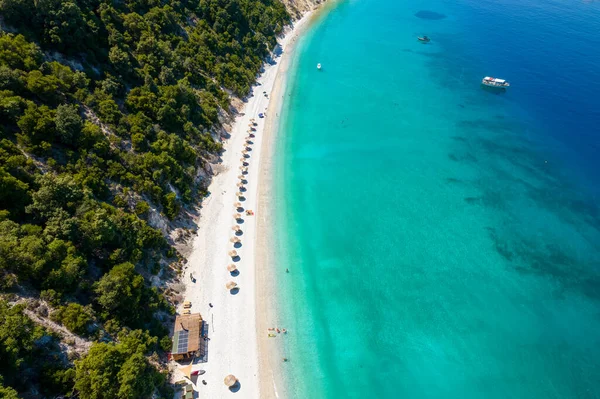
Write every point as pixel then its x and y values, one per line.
pixel 272 350
pixel 266 293
pixel 234 318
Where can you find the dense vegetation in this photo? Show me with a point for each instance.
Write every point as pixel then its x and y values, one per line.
pixel 106 114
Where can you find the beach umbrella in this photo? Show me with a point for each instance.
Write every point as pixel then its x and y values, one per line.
pixel 233 253
pixel 231 268
pixel 231 285
pixel 235 240
pixel 230 380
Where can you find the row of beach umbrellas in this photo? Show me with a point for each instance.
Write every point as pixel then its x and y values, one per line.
pixel 238 205
pixel 232 380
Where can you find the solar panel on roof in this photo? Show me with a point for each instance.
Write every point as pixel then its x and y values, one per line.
pixel 182 344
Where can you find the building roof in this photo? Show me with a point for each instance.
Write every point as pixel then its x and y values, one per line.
pixel 186 337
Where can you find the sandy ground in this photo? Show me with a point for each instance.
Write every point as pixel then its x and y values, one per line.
pixel 233 346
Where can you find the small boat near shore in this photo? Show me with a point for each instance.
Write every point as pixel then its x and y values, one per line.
pixel 319 66
pixel 424 39
pixel 495 82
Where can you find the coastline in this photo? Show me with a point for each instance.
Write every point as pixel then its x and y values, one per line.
pixel 273 351
pixel 454 251
pixel 234 318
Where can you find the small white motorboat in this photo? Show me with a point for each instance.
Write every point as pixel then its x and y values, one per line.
pixel 319 66
pixel 494 82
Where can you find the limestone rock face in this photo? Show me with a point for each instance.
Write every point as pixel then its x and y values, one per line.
pixel 298 7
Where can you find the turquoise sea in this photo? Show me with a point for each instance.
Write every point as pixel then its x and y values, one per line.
pixel 443 241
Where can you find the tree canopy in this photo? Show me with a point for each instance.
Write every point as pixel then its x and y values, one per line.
pixel 108 112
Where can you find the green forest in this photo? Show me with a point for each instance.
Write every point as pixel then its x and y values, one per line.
pixel 107 113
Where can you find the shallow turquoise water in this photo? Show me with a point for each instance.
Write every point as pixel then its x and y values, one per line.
pixel 443 241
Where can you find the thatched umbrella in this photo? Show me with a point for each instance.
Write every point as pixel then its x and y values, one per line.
pixel 233 253
pixel 237 216
pixel 240 184
pixel 231 268
pixel 231 285
pixel 237 205
pixel 235 240
pixel 236 228
pixel 230 380
pixel 245 152
pixel 242 159
pixel 241 177
pixel 239 194
pixel 242 168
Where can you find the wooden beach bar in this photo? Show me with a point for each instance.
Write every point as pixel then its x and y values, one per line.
pixel 186 337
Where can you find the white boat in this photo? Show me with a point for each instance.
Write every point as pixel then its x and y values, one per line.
pixel 494 82
pixel 319 66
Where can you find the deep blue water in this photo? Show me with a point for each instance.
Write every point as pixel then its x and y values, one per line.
pixel 443 240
